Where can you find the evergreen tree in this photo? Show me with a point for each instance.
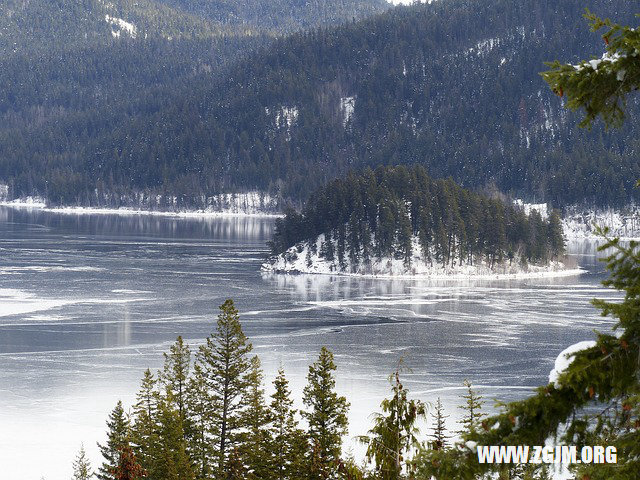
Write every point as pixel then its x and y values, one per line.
pixel 175 374
pixel 144 429
pixel 472 409
pixel 82 466
pixel 555 235
pixel 439 435
pixel 255 421
pixel 117 438
pixel 199 443
pixel 326 416
pixel 168 453
pixel 224 363
pixel 394 433
pixel 287 443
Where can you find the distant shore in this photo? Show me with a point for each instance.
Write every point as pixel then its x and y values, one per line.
pixel 39 205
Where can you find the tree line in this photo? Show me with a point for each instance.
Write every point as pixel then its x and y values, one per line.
pixel 210 419
pixel 379 214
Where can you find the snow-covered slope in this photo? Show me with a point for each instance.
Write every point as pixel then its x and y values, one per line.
pixel 580 224
pixel 306 258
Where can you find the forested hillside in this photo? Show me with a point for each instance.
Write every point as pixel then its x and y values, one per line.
pixel 399 213
pixel 70 69
pixel 453 86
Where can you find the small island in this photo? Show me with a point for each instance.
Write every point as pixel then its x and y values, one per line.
pixel 397 221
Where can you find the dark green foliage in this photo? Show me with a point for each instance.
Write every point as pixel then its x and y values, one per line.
pixel 600 87
pixel 175 374
pixel 326 415
pixel 225 367
pixel 390 206
pixel 287 443
pixel 255 420
pixel 118 434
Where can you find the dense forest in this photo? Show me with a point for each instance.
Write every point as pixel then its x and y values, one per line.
pixel 393 210
pixel 453 85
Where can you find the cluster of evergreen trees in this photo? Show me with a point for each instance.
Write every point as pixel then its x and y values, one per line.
pixel 453 86
pixel 379 213
pixel 209 419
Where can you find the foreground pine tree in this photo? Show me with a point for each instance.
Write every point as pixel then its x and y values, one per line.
pixel 199 445
pixel 143 430
pixel 287 443
pixel 224 364
pixel 326 416
pixel 255 420
pixel 175 374
pixel 472 409
pixel 394 434
pixel 439 435
pixel 117 437
pixel 82 466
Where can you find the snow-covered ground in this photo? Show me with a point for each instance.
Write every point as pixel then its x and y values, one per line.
pixel 304 258
pixel 250 204
pixel 580 224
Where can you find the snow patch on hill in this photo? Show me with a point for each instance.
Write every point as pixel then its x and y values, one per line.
pixel 305 258
pixel 119 25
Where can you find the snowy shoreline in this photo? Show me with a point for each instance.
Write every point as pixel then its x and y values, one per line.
pixel 306 258
pixel 37 204
pixel 439 276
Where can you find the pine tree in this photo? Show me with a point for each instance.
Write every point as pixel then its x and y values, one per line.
pixel 287 443
pixel 472 409
pixel 143 431
pixel 326 416
pixel 117 437
pixel 394 433
pixel 555 234
pixel 224 363
pixel 439 435
pixel 175 374
pixel 82 466
pixel 199 443
pixel 255 419
pixel 168 453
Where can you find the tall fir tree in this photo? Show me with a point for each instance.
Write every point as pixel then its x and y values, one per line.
pixel 255 420
pixel 225 365
pixel 127 467
pixel 326 416
pixel 175 374
pixel 168 453
pixel 144 428
pixel 287 442
pixel 118 433
pixel 199 441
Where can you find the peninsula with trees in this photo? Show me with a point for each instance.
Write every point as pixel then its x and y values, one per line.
pixel 399 221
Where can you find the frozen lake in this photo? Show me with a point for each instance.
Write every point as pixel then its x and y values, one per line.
pixel 87 302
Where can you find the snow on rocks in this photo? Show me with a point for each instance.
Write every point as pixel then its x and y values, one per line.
pixel 565 359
